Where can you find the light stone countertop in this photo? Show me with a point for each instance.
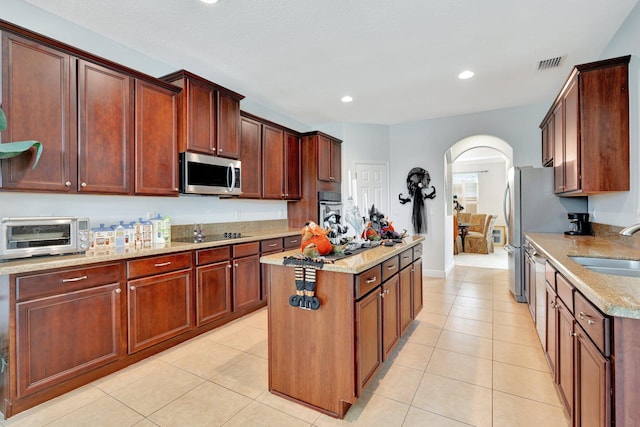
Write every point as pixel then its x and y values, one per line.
pixel 354 264
pixel 41 263
pixel 613 295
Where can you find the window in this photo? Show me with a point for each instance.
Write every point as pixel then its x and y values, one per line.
pixel 465 186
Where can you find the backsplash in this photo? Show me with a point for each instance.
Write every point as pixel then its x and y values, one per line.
pixel 244 227
pixel 612 233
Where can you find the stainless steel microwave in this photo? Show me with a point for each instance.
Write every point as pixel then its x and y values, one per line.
pixel 204 174
pixel 23 237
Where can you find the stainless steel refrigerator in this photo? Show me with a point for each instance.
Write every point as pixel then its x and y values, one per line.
pixel 530 205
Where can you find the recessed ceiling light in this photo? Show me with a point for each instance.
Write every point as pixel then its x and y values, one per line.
pixel 346 99
pixel 466 74
pixel 209 1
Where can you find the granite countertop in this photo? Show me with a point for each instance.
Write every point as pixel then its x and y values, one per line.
pixel 91 257
pixel 613 295
pixel 356 263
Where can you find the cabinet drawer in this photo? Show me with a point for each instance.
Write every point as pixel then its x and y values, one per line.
pixel 246 249
pixel 417 252
pixel 158 265
pixel 406 258
pixel 594 323
pixel 292 242
pixel 565 291
pixel 271 245
pixel 39 285
pixel 211 255
pixel 550 275
pixel 368 280
pixel 390 267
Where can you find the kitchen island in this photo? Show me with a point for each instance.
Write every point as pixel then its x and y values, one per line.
pixel 324 358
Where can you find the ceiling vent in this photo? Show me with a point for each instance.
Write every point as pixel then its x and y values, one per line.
pixel 545 64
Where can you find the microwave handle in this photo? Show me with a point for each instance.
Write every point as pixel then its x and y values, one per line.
pixel 231 169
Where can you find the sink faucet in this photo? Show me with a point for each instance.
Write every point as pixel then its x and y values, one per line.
pixel 628 231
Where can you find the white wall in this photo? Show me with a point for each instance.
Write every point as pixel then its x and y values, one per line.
pixel 623 208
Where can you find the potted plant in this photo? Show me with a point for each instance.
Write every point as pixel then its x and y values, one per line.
pixel 12 149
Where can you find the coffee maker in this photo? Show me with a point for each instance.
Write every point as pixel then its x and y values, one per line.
pixel 580 225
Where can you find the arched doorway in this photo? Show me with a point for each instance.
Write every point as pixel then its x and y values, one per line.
pixel 460 149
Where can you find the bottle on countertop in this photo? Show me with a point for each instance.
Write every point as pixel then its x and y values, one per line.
pixel 119 236
pixel 156 223
pixel 147 233
pixel 166 229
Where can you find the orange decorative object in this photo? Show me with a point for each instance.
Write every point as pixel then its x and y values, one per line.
pixel 315 241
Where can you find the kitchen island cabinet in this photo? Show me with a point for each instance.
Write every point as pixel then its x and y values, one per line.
pixel 340 346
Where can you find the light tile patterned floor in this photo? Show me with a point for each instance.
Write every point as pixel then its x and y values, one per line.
pixel 472 357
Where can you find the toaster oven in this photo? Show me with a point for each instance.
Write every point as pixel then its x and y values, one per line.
pixel 24 237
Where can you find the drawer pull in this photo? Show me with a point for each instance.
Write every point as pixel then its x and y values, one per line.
pixel 273 245
pixel 583 316
pixel 572 334
pixel 373 279
pixel 391 267
pixel 293 241
pixel 75 279
pixel 133 288
pixel 162 264
pixel 118 291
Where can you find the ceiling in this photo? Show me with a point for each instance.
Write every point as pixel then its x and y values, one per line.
pixel 398 59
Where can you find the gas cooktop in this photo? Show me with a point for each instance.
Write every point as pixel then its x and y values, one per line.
pixel 212 238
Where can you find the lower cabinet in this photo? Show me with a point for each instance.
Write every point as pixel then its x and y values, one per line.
pixel 246 276
pixel 52 344
pixel 213 284
pixel 160 296
pixel 578 348
pixel 390 320
pixel 368 312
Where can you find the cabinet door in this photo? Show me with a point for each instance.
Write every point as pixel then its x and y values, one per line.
pixel 550 347
pixel 159 308
pixel 156 146
pixel 564 363
pixel 228 126
pixel 213 292
pixel 547 142
pixel 558 148
pixel 390 318
pixel 62 336
pixel 572 165
pixel 336 161
pixel 292 169
pixel 37 100
pixel 324 159
pixel 416 281
pixel 246 282
pixel 251 157
pixel 272 162
pixel 105 130
pixel 405 299
pixel 593 384
pixel 201 118
pixel 369 342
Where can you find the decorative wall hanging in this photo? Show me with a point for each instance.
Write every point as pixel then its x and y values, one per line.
pixel 419 189
pixel 12 149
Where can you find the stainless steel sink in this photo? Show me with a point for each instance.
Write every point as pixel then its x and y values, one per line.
pixel 613 266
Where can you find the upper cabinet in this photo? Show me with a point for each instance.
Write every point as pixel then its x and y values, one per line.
pixel 90 115
pixel 209 116
pixel 585 134
pixel 329 158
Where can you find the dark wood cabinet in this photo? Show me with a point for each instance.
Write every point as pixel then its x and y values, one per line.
pixel 390 318
pixel 588 125
pixel 213 284
pixel 565 355
pixel 416 290
pixel 209 116
pixel 251 155
pixel 39 101
pixel 593 384
pixel 548 133
pixel 551 339
pixel 272 162
pixel 268 247
pixel 329 159
pixel 160 299
pixel 156 153
pixel 246 276
pixel 105 130
pixel 292 167
pixel 368 311
pixel 67 323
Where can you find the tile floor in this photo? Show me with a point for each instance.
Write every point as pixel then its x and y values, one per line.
pixel 472 357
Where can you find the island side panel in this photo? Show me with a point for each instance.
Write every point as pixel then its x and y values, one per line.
pixel 311 352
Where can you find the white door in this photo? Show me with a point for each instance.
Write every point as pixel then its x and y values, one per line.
pixel 373 187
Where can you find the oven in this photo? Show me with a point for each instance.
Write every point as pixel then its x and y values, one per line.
pixel 328 201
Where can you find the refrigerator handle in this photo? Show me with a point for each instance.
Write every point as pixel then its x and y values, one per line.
pixel 507 216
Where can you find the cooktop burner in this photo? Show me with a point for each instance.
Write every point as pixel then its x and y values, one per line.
pixel 212 238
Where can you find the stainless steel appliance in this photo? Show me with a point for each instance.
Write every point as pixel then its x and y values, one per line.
pixel 531 206
pixel 328 201
pixel 204 174
pixel 535 288
pixel 30 236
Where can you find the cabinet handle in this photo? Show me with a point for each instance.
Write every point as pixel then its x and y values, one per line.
pixel 373 279
pixel 236 265
pixel 133 288
pixel 229 266
pixel 391 267
pixel 67 184
pixel 84 184
pixel 118 291
pixel 583 316
pixel 572 334
pixel 293 241
pixel 382 295
pixel 75 279
pixel 162 264
pixel 273 245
